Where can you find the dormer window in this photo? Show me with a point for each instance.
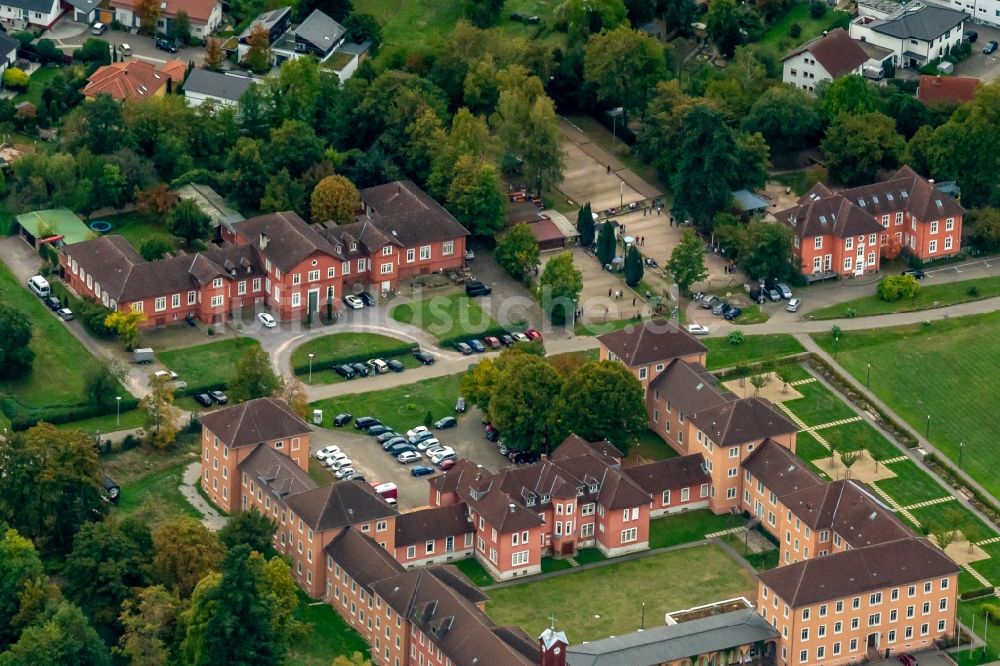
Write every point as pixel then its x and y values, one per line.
pixel 340 249
pixel 546 497
pixel 354 247
pixel 593 487
pixel 529 501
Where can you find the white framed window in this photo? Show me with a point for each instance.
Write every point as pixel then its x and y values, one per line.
pixel 362 264
pixel 296 278
pixel 411 255
pixel 932 247
pixel 175 301
pixel 425 252
pixel 630 535
pixel 241 287
pixel 216 301
pixel 448 247
pixel 934 226
pixel 386 268
pixel 217 283
pixel 256 284
pixel 331 272
pixel 949 224
pixel 872 239
pixel 136 306
pixel 160 304
pixel 411 552
pixel 948 243
pixel 519 559
pixel 296 299
pixel 849 243
pixel 847 263
pixel 387 251
pixel 818 243
pixel 345 267
pixel 313 276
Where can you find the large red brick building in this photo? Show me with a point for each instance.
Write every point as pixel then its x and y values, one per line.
pixel 844 233
pixel 275 262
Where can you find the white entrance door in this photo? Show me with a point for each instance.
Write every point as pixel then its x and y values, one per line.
pixel 859 263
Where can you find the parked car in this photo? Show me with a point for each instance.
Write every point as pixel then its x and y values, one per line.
pixel 342 419
pixel 697 329
pixel 340 463
pixel 423 357
pixel 447 464
pixel 757 296
pixel 267 320
pixel 971 36
pixel 520 337
pixel 386 436
pixel 421 470
pixel 365 422
pixel 407 457
pixel 395 365
pixel 506 340
pixel 907 659
pixel 990 47
pixel 773 295
pixel 203 399
pixel 793 305
pixel 709 303
pixel 360 369
pixel 477 346
pixel 98 28
pixel 732 314
pixel 474 289
pixel 327 451
pixel 387 490
pixel 784 290
pixel 125 49
pixel 367 298
pixel 167 45
pixel 331 459
pixel 719 307
pixel 353 302
pixel 492 433
pixel 446 422
pixel 52 302
pixel 417 431
pixel 378 366
pixel 439 458
pixel 469 254
pixel 492 342
pixel 344 473
pixel 345 371
pixel 419 437
pixel 219 397
pixel 165 375
pixel 460 405
pixel 379 429
pixel 915 272
pixel 533 334
pixel 65 314
pixel 395 441
pixel 429 443
pixel 438 449
pixel 463 348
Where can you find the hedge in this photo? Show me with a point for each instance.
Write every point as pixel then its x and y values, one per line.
pixel 977 593
pixel 23 417
pixel 324 361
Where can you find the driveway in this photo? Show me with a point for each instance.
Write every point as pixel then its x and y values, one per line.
pixel 510 302
pixel 69 35
pixel 377 466
pixel 983 67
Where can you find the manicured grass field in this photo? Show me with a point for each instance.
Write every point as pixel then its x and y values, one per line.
pixel 210 364
pixel 156 498
pixel 61 362
pixel 401 406
pixel 647 446
pixel 445 316
pixel 857 436
pixel 689 526
pixel 722 354
pixel 330 636
pixel 930 296
pixel 946 370
pixel 131 418
pixel 989 568
pixel 953 516
pixel 911 484
pixel 605 601
pixel 753 314
pixel 37 83
pixel 972 616
pixel 412 24
pixel 329 349
pixel 777 36
pixel 475 571
pixel 818 405
pixel 136 227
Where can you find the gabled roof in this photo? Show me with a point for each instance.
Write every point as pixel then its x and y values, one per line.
pixel 404 212
pixel 917 21
pixel 834 215
pixel 780 470
pixel 934 89
pixel 8 43
pixel 218 84
pixel 651 341
pixel 199 11
pixel 858 570
pixel 574 445
pixel 267 20
pixel 432 523
pixel 669 474
pixel 742 421
pixel 40 6
pixel 676 642
pixel 340 504
pixel 288 238
pixel 835 51
pixel 428 598
pixel 275 472
pixel 848 509
pixel 133 79
pixel 364 560
pixel 689 387
pixel 321 31
pixel 255 421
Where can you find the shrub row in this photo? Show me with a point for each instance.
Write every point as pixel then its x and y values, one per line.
pixel 23 417
pixel 977 593
pixel 980 501
pixel 324 361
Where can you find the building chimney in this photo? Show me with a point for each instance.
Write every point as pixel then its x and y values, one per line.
pixel 552 646
pixel 263 241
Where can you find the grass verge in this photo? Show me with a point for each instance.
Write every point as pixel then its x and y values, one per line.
pixel 446 317
pixel 400 406
pixel 209 365
pixel 330 636
pixel 930 296
pixel 723 354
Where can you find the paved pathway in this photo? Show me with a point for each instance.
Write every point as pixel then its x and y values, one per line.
pixel 930 502
pixel 799 382
pixel 211 518
pixel 978 576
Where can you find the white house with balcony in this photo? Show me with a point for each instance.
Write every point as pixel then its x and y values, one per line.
pixel 916 32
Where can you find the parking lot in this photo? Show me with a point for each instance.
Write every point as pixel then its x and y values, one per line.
pixel 981 66
pixel 377 466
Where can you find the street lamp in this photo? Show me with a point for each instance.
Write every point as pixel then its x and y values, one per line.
pixel 961 450
pixel 621 193
pixel 927 430
pixel 836 345
pixel 868 383
pixel 311 367
pixel 118 410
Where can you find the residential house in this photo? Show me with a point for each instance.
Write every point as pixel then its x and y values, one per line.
pixel 979 11
pixel 134 80
pixel 352 55
pixel 85 11
pixel 916 32
pixel 8 51
pixel 204 16
pixel 19 14
pixel 318 35
pixel 946 89
pixel 647 349
pixel 437 535
pixel 861 604
pixel 674 485
pixel 276 22
pixel 830 56
pixel 843 233
pixel 222 88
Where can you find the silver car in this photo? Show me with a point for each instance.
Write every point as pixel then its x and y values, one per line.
pixel 793 305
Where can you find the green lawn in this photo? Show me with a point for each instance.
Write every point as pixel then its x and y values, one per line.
pixel 471 567
pixel 722 354
pixel 762 561
pixel 809 449
pixel 400 407
pixel 860 435
pixel 131 418
pixel 136 227
pixel 411 25
pixel 647 446
pixel 818 405
pixel 752 314
pixel 990 568
pixel 608 600
pixel 946 370
pixel 445 317
pixel 208 365
pixel 339 348
pixel 777 36
pixel 972 616
pixel 689 526
pixel 930 296
pixel 953 516
pixel 911 484
pixel 330 635
pixel 61 362
pixel 37 84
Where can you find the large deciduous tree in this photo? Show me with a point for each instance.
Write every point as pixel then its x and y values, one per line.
pixel 706 167
pixel 251 528
pixel 253 376
pixel 858 146
pixel 517 251
pixel 246 173
pixel 526 382
pixel 765 251
pixel 159 416
pixel 16 357
pixel 723 25
pixel 786 117
pixel 295 147
pixel 476 196
pixel 334 198
pixel 258 56
pixel 984 228
pixel 20 568
pixel 624 66
pixel 149 623
pixel 851 94
pixel 687 261
pixel 62 636
pixel 560 285
pixel 604 400
pixel 185 551
pixel 189 221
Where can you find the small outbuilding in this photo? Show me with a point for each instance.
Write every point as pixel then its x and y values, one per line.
pixel 751 204
pixel 58 226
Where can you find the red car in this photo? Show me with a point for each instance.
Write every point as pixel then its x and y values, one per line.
pixel 533 334
pixel 447 464
pixel 493 342
pixel 907 660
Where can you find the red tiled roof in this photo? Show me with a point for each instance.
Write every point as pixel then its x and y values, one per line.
pixel 199 11
pixel 934 89
pixel 135 79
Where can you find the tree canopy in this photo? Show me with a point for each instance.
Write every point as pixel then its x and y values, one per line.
pixel 517 251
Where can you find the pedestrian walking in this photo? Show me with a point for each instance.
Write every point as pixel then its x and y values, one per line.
pixel 633 301
pixel 609 168
pixel 609 292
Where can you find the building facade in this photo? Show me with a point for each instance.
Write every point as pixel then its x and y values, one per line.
pixel 825 58
pixel 916 32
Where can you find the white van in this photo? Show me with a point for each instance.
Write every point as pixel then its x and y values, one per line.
pixel 39 285
pixel 378 365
